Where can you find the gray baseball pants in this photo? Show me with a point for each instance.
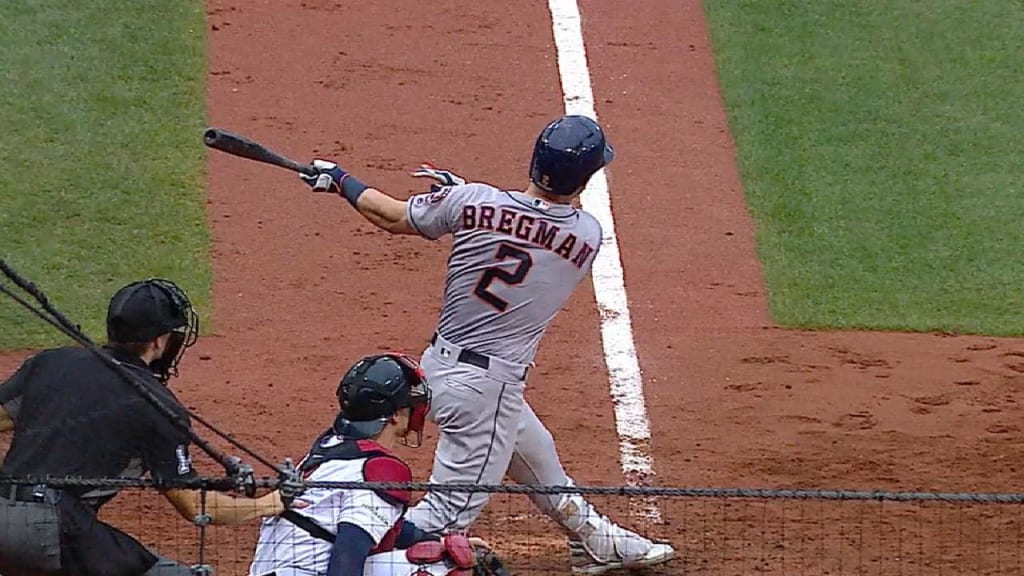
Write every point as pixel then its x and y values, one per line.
pixel 486 430
pixel 30 539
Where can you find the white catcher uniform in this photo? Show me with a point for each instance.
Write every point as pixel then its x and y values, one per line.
pixel 284 549
pixel 287 550
pixel 515 261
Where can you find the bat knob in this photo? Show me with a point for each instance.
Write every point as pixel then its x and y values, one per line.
pixel 211 135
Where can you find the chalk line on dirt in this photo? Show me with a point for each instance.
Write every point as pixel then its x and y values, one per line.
pixel 631 421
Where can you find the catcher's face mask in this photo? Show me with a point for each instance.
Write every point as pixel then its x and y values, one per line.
pixel 419 401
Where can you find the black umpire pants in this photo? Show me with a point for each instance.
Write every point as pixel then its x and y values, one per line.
pixel 43 531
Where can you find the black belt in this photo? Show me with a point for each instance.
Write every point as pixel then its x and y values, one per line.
pixel 467 356
pixel 27 493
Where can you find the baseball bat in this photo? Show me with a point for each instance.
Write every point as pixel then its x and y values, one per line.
pixel 243 147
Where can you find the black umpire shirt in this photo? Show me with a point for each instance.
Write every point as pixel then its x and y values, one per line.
pixel 74 416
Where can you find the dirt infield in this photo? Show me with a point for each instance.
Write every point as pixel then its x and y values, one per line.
pixel 303 286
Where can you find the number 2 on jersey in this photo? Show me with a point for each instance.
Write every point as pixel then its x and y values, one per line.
pixel 505 251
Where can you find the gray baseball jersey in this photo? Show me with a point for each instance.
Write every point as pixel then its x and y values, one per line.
pixel 515 261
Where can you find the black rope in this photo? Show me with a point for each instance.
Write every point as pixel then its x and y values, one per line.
pixel 28 305
pixel 54 317
pixel 207 483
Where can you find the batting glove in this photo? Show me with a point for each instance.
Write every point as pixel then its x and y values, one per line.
pixel 327 178
pixel 291 485
pixel 444 177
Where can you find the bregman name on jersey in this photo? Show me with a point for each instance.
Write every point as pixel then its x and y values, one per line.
pixel 536 231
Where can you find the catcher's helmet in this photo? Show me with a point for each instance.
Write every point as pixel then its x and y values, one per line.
pixel 567 153
pixel 377 387
pixel 144 310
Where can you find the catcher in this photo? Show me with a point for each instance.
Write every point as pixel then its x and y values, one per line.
pixel 384 399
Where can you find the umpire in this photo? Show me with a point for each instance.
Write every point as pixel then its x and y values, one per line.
pixel 73 416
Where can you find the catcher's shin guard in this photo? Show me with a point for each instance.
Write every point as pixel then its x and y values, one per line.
pixel 601 545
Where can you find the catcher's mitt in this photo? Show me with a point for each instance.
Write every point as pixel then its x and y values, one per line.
pixel 488 564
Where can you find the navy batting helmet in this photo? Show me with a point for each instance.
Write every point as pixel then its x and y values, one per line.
pixel 377 387
pixel 567 153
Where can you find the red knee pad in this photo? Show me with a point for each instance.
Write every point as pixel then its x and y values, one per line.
pixel 454 547
pixel 426 552
pixel 460 550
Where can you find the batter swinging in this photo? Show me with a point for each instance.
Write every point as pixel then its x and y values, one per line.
pixel 516 259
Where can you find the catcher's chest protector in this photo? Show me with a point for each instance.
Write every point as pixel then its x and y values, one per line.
pixel 330 446
pixel 379 465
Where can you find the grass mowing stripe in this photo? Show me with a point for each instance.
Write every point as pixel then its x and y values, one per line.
pixel 880 146
pixel 101 163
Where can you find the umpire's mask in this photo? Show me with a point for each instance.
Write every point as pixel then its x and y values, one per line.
pixel 151 308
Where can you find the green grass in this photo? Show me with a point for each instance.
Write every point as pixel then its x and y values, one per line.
pixel 881 145
pixel 101 160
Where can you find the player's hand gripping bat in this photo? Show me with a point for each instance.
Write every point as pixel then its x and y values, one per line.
pixel 243 147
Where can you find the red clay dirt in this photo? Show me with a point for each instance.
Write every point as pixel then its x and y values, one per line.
pixel 303 287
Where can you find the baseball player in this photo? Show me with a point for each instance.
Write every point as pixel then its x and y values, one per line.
pixel 384 399
pixel 516 259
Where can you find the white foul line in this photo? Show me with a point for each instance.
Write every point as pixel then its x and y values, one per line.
pixel 627 388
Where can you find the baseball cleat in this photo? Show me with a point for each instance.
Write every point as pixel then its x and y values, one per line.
pixel 583 562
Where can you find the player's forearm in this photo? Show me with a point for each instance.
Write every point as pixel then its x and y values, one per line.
pixel 384 211
pixel 229 510
pixel 222 508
